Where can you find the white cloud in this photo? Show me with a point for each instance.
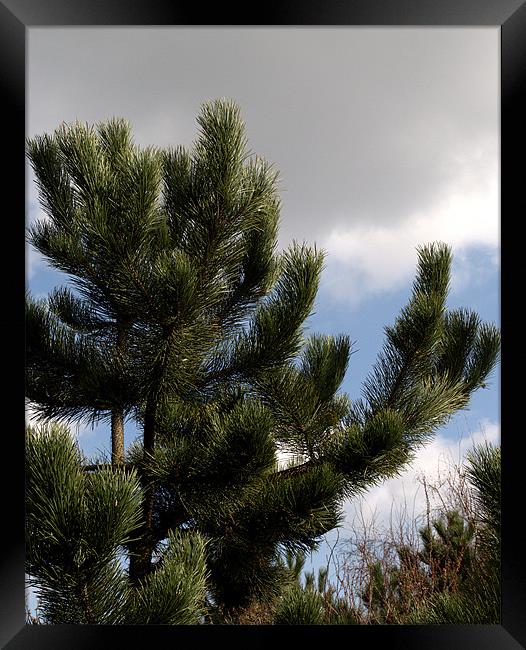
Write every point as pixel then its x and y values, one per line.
pixel 406 494
pixel 377 258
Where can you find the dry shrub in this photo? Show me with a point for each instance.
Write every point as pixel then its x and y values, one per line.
pixel 381 569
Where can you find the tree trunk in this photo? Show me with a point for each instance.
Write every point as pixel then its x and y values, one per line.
pixel 117 414
pixel 117 437
pixel 142 549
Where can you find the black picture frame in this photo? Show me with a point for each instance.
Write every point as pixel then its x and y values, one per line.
pixel 16 16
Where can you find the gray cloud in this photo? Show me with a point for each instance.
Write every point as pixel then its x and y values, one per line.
pixel 366 125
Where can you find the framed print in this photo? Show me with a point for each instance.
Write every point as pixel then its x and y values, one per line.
pixel 393 125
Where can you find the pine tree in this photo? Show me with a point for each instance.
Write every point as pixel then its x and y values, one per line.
pixel 448 551
pixel 314 602
pixel 100 194
pixel 77 524
pixel 185 318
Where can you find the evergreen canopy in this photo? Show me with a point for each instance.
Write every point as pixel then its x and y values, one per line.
pixel 183 315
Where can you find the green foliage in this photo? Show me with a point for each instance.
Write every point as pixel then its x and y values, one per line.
pixel 484 474
pixel 175 593
pixel 371 452
pixel 76 525
pixel 303 397
pixel 300 607
pixel 274 334
pixel 448 550
pixel 313 603
pixel 419 372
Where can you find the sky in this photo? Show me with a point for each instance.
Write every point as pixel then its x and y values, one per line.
pixel 385 138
